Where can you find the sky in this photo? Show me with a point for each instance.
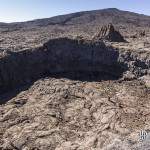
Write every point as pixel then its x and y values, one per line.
pixel 23 10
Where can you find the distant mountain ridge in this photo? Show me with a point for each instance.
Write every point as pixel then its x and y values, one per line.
pixel 102 16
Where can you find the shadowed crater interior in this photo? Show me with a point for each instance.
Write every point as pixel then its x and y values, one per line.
pixel 76 59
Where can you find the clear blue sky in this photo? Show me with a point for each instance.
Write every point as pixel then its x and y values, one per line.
pixel 22 10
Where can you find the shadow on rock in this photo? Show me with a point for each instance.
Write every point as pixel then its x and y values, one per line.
pixel 76 59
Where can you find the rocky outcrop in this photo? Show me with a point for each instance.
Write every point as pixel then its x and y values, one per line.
pixel 75 59
pixel 138 63
pixel 70 58
pixel 109 33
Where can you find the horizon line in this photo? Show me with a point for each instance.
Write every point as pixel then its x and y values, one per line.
pixel 82 11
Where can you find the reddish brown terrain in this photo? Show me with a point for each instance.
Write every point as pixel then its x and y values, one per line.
pixel 76 82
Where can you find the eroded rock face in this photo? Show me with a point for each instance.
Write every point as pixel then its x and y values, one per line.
pixel 62 57
pixel 109 33
pixel 71 58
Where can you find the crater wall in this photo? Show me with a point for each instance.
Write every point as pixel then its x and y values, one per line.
pixel 69 58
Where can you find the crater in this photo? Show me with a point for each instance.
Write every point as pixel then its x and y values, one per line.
pixel 75 59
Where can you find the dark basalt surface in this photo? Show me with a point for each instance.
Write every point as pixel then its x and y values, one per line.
pixel 69 58
pixel 63 57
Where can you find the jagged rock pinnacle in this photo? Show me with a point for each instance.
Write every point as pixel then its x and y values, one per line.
pixel 109 33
